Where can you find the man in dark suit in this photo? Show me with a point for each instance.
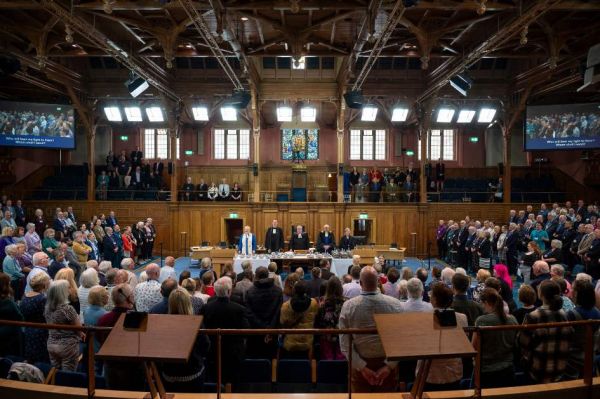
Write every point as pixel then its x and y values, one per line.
pixel 325 266
pixel 512 238
pixel 20 213
pixel 202 191
pixel 581 209
pixel 326 240
pixel 461 240
pixel 110 248
pixel 136 157
pixel 59 226
pixel 274 238
pixel 221 312
pixel 347 242
pixel 157 168
pixel 111 220
pixel 299 240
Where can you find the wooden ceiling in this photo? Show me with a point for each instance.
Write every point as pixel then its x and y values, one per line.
pixel 60 43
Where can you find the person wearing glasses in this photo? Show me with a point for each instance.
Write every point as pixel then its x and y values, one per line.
pixel 40 265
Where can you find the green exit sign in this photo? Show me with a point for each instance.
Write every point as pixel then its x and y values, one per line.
pixel 124 138
pixel 233 216
pixel 410 153
pixel 474 139
pixel 363 216
pixel 189 152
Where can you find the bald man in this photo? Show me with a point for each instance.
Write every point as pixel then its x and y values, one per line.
pixel 147 294
pixel 247 243
pixel 326 240
pixel 168 270
pixel 371 371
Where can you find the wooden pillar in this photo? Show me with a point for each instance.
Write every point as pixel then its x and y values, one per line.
pixel 256 143
pixel 174 132
pixel 422 178
pixel 506 179
pixel 340 150
pixel 91 148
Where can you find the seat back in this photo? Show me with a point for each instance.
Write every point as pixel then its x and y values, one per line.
pixel 4 367
pixel 332 372
pixel 255 370
pixel 76 380
pixel 293 371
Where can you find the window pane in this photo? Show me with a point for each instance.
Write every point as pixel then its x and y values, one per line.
pixel 219 144
pixel 178 152
pixel 355 144
pixel 367 145
pixel 448 144
pixel 232 152
pixel 419 149
pixel 380 144
pixel 149 145
pixel 162 144
pixel 245 144
pixel 435 145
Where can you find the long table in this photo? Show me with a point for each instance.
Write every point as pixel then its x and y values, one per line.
pixel 339 266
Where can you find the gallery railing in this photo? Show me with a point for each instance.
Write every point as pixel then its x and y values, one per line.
pixel 588 363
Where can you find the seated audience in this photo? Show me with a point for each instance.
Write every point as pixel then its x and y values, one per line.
pixel 482 275
pixel 462 304
pixel 63 345
pixel 497 347
pixel 298 313
pixel 353 288
pixel 89 279
pixel 545 350
pixel 9 335
pixel 147 294
pixel 414 302
pixel 168 270
pixel 69 275
pixel 391 286
pixel 162 307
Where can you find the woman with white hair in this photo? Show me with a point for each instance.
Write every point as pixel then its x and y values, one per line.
pixel 63 345
pixel 32 239
pixel 32 308
pixel 11 267
pixel 89 279
pixel 554 254
pixel 447 274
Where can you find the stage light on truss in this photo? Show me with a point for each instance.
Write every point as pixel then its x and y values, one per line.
pixel 284 113
pixel 445 115
pixel 369 113
pixel 465 116
pixel 486 115
pixel 113 113
pixel 136 85
pixel 399 114
pixel 228 114
pixel 200 113
pixel 133 114
pixel 155 114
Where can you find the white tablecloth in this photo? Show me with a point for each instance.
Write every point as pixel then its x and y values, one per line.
pixel 339 267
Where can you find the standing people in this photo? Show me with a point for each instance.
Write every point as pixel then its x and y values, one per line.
pixel 274 238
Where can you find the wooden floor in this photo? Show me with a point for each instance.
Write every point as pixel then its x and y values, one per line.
pixel 562 390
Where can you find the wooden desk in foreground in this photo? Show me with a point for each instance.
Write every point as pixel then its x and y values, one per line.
pixel 416 336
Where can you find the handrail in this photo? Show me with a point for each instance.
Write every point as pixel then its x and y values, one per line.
pixel 588 346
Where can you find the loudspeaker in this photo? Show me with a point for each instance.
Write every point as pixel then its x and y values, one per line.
pixel 255 169
pixel 354 99
pixel 8 66
pixel 136 86
pixel 170 168
pixel 461 83
pixel 239 100
pixel 500 169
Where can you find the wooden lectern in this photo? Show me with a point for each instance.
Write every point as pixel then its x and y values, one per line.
pixel 416 336
pixel 156 341
pixel 220 257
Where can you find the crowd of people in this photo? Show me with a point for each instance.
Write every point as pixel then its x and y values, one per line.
pixel 563 125
pixel 129 172
pixel 58 124
pixel 212 192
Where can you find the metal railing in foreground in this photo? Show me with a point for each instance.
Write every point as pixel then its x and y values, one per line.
pixel 588 364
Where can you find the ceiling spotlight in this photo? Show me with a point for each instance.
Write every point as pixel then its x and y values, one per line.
pixel 228 114
pixel 68 34
pixel 399 114
pixel 108 6
pixel 369 113
pixel 155 114
pixel 136 85
pixel 445 115
pixel 200 113
pixel 244 19
pixel 284 113
pixel 113 113
pixel 308 114
pixel 486 115
pixel 524 33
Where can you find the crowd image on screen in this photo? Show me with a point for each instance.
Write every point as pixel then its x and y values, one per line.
pixel 56 124
pixel 563 125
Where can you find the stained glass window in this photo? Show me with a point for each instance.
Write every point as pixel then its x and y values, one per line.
pixel 299 144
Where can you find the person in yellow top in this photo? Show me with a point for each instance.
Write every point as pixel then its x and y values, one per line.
pixel 80 248
pixel 299 312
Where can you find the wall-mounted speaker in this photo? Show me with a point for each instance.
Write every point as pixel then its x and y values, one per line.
pixel 500 168
pixel 354 99
pixel 170 168
pixel 255 169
